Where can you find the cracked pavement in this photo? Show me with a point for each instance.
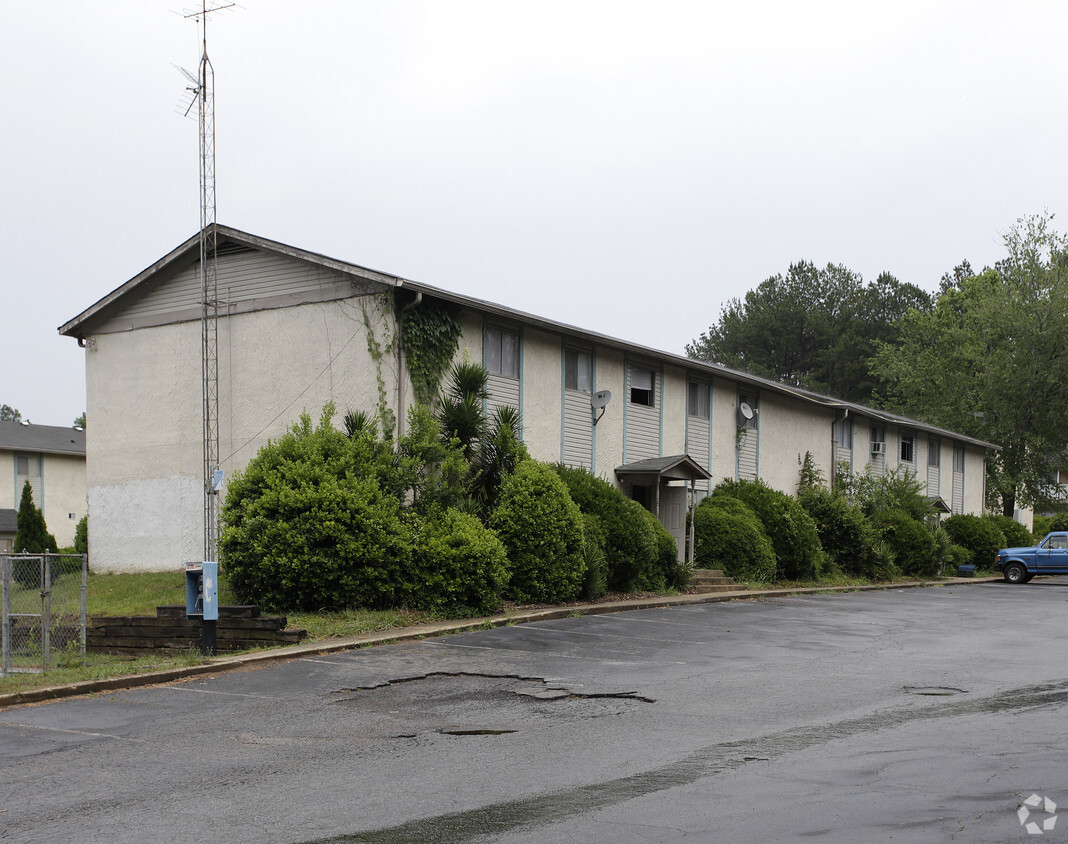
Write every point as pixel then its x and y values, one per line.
pixel 904 715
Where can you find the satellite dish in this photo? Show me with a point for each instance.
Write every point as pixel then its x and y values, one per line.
pixel 598 401
pixel 745 410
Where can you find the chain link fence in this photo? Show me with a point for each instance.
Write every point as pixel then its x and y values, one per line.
pixel 42 625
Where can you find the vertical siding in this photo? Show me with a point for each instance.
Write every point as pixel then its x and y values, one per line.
pixel 578 429
pixel 877 462
pixel 641 436
pixel 699 433
pixel 958 492
pixel 698 438
pixel 748 451
pixel 747 446
pixel 933 480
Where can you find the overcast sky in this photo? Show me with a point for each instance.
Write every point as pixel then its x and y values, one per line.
pixel 625 167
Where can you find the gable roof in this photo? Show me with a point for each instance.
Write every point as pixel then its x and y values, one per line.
pixel 677 467
pixel 46 439
pixel 189 252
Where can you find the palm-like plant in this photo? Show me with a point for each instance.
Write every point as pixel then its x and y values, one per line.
pixel 460 410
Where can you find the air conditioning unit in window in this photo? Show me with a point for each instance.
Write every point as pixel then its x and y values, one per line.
pixel 878 448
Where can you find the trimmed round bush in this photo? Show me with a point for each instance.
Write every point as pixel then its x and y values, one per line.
pixel 631 547
pixel 541 529
pixel 1016 535
pixel 306 526
pixel 846 535
pixel 459 567
pixel 912 543
pixel 729 536
pixel 980 536
pixel 792 531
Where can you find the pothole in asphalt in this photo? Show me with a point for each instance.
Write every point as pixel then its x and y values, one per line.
pixel 470 704
pixel 934 691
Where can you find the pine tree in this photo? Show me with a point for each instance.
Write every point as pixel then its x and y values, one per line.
pixel 32 534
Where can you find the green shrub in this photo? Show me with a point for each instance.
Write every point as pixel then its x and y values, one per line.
pixel 912 543
pixel 729 536
pixel 846 535
pixel 306 525
pixel 632 550
pixel 667 571
pixel 958 556
pixel 980 536
pixel 459 567
pixel 541 529
pixel 81 536
pixel 1058 522
pixel 1041 527
pixel 899 489
pixel 1016 535
pixel 792 531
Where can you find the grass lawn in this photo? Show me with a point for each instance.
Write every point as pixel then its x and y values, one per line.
pixel 140 594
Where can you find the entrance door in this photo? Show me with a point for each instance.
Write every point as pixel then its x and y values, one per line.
pixel 673 514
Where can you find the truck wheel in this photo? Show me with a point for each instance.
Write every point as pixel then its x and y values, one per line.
pixel 1015 573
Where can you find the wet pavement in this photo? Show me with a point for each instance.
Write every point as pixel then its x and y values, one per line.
pixel 903 715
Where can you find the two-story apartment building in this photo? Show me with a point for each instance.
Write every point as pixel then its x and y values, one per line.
pixel 52 460
pixel 297 329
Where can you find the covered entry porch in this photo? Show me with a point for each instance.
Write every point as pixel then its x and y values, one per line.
pixel 665 486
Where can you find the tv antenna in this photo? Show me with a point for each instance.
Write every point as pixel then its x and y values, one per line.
pixel 202 93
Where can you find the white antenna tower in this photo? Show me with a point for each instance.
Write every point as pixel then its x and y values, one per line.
pixel 203 93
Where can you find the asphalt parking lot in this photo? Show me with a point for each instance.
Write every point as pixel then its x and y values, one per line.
pixel 898 715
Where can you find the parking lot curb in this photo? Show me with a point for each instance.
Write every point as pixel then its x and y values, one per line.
pixel 259 658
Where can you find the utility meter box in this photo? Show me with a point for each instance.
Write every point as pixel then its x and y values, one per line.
pixel 202 590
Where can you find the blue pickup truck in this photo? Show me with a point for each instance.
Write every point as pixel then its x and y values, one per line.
pixel 1050 556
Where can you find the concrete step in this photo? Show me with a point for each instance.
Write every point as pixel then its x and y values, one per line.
pixel 711 580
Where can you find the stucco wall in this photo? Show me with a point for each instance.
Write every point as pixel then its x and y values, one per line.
pixel 724 430
pixel 974 481
pixel 608 435
pixel 789 428
pixel 64 501
pixel 542 386
pixel 144 397
pixel 673 417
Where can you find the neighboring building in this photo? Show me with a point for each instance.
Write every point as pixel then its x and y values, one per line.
pixel 53 461
pixel 8 529
pixel 293 334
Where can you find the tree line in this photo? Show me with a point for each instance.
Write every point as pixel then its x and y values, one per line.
pixel 985 355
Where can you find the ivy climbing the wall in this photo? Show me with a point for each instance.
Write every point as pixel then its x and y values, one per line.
pixel 377 349
pixel 431 335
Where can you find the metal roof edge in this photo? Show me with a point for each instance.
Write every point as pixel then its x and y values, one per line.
pixel 713 369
